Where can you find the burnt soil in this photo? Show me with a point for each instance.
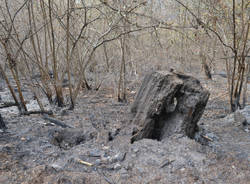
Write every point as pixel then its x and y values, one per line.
pixel 97 148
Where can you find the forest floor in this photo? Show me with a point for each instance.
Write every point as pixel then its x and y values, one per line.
pixel 96 149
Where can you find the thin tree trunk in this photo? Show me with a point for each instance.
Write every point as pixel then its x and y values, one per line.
pixel 10 87
pixel 57 86
pixel 244 98
pixel 106 56
pixel 232 96
pixel 13 68
pixel 68 59
pixel 121 84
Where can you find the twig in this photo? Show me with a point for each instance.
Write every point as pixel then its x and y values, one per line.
pixel 55 121
pixel 206 137
pixel 84 163
pixel 168 162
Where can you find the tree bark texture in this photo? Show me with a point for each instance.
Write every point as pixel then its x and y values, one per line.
pixel 168 103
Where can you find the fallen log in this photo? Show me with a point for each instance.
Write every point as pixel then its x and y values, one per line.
pixel 168 103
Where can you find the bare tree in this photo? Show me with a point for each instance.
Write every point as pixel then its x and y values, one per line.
pixel 237 44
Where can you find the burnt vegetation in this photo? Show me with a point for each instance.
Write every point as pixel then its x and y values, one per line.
pixel 81 45
pixel 103 90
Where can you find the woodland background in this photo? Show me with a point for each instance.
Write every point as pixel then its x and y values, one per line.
pixel 87 44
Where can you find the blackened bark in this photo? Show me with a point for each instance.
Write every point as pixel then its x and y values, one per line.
pixel 168 103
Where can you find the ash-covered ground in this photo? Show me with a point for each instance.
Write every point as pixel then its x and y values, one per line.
pixel 97 148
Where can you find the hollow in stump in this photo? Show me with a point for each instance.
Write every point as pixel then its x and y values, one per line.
pixel 168 103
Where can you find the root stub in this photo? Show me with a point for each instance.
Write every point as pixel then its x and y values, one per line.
pixel 168 103
pixel 2 123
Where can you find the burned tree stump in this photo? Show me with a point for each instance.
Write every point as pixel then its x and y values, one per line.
pixel 2 123
pixel 168 103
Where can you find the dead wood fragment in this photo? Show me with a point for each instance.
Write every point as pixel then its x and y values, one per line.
pixel 37 112
pixel 206 137
pixel 84 162
pixel 2 123
pixel 10 104
pixel 55 121
pixel 166 163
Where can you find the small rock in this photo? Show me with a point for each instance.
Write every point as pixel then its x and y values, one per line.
pixel 246 130
pixel 56 166
pixel 106 160
pixel 23 139
pixel 133 155
pixel 110 159
pixel 135 150
pixel 117 166
pixel 105 148
pixel 129 166
pixel 182 169
pixel 119 157
pixel 98 162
